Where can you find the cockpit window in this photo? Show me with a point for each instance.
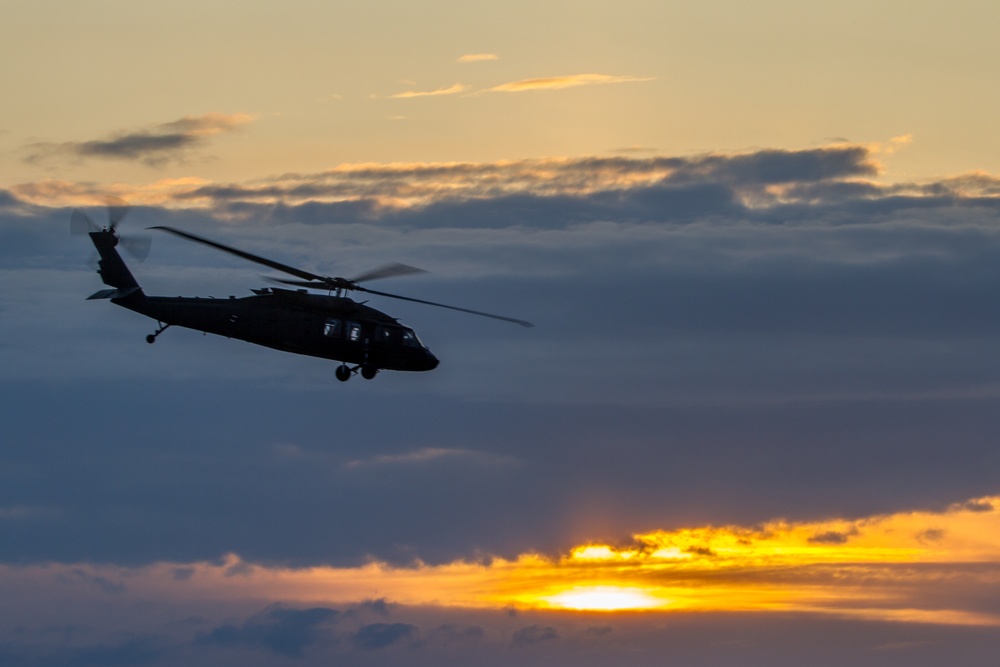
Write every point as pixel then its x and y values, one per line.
pixel 388 335
pixel 353 331
pixel 410 339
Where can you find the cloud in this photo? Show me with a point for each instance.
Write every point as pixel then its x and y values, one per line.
pixel 60 193
pixel 382 635
pixel 545 83
pixel 560 82
pixel 379 607
pixel 786 314
pixel 606 186
pixel 632 150
pixel 452 633
pixel 931 535
pixel 477 57
pixel 977 506
pixel 453 89
pixel 8 201
pixel 808 567
pixel 717 581
pixel 140 650
pixel 892 145
pixel 104 584
pixel 972 184
pixel 634 639
pixel 428 455
pixel 776 167
pixel 153 146
pixel 284 631
pixel 534 634
pixel 557 192
pixel 833 537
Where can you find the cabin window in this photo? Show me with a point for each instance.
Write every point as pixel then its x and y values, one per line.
pixel 353 332
pixel 332 328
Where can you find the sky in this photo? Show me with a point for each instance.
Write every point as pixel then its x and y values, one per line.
pixel 754 423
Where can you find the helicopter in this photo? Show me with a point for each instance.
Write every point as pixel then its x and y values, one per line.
pixel 329 326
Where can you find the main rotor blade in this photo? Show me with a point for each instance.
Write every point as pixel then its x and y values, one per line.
pixel 298 283
pixel 523 323
pixel 290 270
pixel 320 282
pixel 387 271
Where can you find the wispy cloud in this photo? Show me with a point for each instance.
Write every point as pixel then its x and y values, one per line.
pixel 450 90
pixel 760 178
pixel 586 188
pixel 892 145
pixel 478 57
pixel 560 82
pixel 632 150
pixel 428 455
pixel 74 193
pixel 401 185
pixel 543 83
pixel 153 145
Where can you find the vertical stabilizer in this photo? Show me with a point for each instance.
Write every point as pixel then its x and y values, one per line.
pixel 112 268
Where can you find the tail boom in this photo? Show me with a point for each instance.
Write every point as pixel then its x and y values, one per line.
pixel 112 267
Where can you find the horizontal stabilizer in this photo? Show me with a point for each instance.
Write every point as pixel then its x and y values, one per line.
pixel 113 293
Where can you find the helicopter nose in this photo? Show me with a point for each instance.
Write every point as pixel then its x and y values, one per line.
pixel 430 361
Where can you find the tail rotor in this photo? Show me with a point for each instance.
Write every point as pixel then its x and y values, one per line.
pixel 137 246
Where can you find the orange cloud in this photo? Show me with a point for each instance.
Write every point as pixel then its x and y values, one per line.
pixel 892 145
pixel 59 193
pixel 477 57
pixel 560 82
pixel 914 567
pixel 450 90
pixel 207 125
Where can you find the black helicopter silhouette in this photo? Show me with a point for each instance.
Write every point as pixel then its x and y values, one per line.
pixel 329 326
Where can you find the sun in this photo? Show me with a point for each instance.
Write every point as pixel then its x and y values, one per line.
pixel 605 598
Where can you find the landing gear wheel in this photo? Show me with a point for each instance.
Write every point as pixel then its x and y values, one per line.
pixel 369 372
pixel 151 338
pixel 343 373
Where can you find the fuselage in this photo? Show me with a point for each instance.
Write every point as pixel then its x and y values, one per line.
pixel 329 327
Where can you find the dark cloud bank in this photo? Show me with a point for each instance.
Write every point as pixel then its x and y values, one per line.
pixel 322 636
pixel 740 338
pixel 751 336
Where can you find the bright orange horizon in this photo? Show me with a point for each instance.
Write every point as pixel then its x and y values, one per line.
pixel 892 567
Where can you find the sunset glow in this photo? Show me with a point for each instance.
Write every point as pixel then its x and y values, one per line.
pixel 754 422
pixel 889 567
pixel 605 598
